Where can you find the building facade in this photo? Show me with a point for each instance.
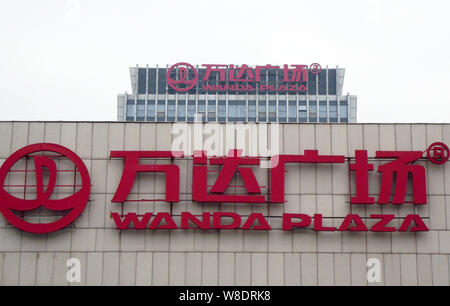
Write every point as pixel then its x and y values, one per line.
pixel 270 97
pixel 109 255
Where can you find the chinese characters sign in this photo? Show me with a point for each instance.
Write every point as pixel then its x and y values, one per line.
pixel 183 77
pixel 396 169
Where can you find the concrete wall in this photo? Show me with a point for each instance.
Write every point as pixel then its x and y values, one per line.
pixel 193 257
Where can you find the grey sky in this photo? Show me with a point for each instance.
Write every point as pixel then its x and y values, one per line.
pixel 68 60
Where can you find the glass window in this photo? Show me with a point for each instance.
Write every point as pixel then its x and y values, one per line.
pixel 162 81
pixel 282 111
pixel 140 113
pixel 311 83
pixel 262 75
pixel 302 111
pixel 174 76
pixel 343 110
pixel 171 110
pixel 142 79
pixel 201 111
pixel 272 111
pixel 130 110
pixel 191 76
pixel 262 81
pixel 243 85
pixel 152 80
pixel 200 84
pixel 281 76
pixel 181 110
pixel 161 110
pixel 262 111
pixel 213 78
pixel 252 111
pixel 232 110
pixel 323 111
pixel 212 81
pixel 242 111
pixel 236 111
pixel 292 111
pixel 211 110
pixel 222 111
pixel 150 110
pixel 332 82
pixel 323 82
pixel 272 80
pixel 191 110
pixel 333 111
pixel 312 111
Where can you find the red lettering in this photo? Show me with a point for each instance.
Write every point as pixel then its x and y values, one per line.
pixel 347 224
pixel 157 222
pixel 217 220
pixel 288 224
pixel 131 218
pixel 263 225
pixel 277 171
pixel 231 165
pixel 318 224
pixel 402 169
pixel 132 167
pixel 380 226
pixel 361 168
pixel 187 216
pixel 420 225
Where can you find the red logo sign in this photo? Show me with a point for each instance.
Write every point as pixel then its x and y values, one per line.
pixel 182 84
pixel 241 78
pixel 45 166
pixel 394 178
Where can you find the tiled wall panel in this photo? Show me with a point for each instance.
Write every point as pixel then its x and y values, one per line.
pixel 211 257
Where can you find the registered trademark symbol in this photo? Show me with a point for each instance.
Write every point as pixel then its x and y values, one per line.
pixel 315 68
pixel 438 153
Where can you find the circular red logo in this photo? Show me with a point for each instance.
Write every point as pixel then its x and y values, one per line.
pixel 181 83
pixel 438 153
pixel 72 206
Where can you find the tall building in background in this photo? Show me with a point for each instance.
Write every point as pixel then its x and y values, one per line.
pixel 228 93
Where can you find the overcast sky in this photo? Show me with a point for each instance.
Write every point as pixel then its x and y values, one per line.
pixel 68 60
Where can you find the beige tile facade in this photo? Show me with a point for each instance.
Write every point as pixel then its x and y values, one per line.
pixel 211 257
